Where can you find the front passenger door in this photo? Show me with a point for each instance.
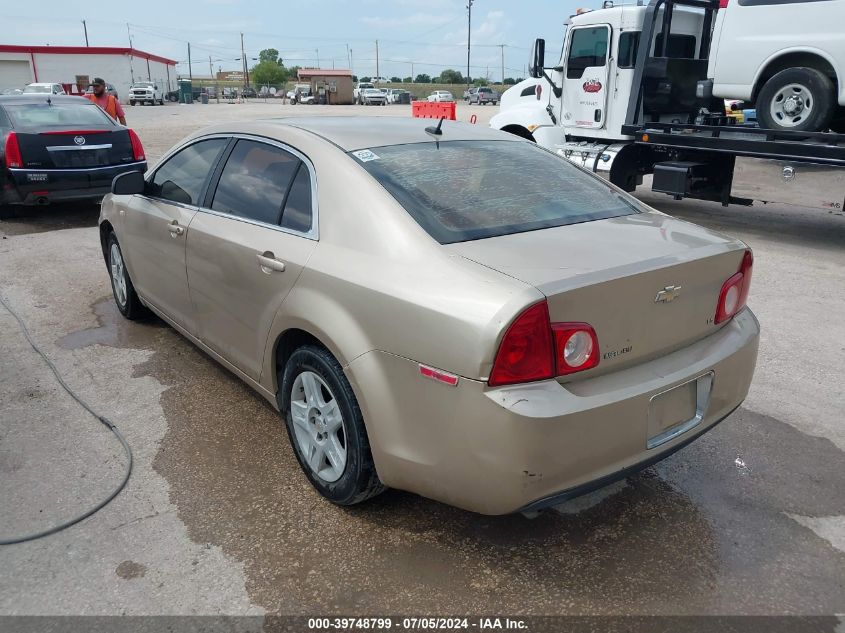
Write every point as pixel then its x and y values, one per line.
pixel 247 248
pixel 156 226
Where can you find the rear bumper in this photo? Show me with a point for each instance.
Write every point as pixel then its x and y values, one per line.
pixel 501 450
pixel 40 186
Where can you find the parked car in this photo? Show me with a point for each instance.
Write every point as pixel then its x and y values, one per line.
pixel 467 93
pixel 398 95
pixel 44 88
pixel 787 57
pixel 249 93
pixel 301 93
pixel 357 96
pixel 373 96
pixel 482 95
pixel 426 318
pixel 144 92
pixel 110 89
pixel 11 91
pixel 441 95
pixel 57 148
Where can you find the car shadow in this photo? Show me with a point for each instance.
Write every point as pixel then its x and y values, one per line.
pixel 54 217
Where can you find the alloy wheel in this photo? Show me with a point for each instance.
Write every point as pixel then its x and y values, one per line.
pixel 318 426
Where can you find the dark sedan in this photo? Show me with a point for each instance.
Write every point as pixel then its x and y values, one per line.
pixel 60 148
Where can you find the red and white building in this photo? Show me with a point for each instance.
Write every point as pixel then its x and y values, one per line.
pixel 76 67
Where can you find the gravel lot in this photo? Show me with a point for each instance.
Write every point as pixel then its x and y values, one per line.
pixel 217 517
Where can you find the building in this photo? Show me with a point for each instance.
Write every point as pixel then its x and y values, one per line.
pixel 76 67
pixel 335 85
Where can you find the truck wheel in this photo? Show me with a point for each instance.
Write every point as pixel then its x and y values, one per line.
pixel 132 103
pixel 796 99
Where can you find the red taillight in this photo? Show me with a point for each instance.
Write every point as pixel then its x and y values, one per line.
pixel 137 148
pixel 734 293
pixel 526 351
pixel 533 348
pixel 13 151
pixel 576 347
pixel 723 4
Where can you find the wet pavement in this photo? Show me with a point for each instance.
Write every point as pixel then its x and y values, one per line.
pixel 218 518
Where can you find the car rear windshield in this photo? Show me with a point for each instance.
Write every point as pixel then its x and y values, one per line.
pixel 38 114
pixel 469 190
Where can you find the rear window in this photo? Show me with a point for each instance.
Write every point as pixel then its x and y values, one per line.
pixel 469 190
pixel 38 114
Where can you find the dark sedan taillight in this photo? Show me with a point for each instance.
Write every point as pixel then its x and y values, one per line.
pixel 137 148
pixel 13 151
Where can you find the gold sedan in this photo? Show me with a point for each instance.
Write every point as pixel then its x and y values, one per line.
pixel 463 315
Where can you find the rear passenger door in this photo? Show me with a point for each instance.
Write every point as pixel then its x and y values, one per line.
pixel 248 245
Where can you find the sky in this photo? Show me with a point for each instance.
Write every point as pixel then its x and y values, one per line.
pixel 427 36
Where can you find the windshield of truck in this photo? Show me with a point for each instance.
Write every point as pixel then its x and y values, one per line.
pixel 468 190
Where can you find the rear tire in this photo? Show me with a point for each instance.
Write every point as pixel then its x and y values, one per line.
pixel 796 100
pixel 125 297
pixel 326 429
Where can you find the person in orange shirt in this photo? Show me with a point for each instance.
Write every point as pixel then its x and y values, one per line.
pixel 108 103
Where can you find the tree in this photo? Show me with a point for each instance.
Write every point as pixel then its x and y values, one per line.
pixel 270 55
pixel 479 81
pixel 396 80
pixel 422 78
pixel 450 76
pixel 408 80
pixel 367 80
pixel 269 72
pixel 509 81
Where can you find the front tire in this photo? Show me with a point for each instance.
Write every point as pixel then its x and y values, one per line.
pixel 797 100
pixel 124 293
pixel 132 103
pixel 326 428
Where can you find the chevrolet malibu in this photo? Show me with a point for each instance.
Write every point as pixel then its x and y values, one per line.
pixel 454 312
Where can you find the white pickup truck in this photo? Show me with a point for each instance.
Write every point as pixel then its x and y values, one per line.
pixel 146 92
pixel 357 94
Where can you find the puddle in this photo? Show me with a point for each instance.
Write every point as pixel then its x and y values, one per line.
pixel 114 330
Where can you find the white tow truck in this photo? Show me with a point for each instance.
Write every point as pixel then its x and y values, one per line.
pixel 630 96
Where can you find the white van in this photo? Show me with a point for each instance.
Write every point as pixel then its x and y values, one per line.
pixel 787 56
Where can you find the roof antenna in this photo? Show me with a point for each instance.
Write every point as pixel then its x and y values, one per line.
pixel 436 131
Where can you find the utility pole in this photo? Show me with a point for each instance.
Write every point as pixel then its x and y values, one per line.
pixel 412 72
pixel 131 72
pixel 469 33
pixel 85 27
pixel 243 60
pixel 190 70
pixel 351 66
pixel 377 75
pixel 317 50
pixel 502 46
pixel 349 57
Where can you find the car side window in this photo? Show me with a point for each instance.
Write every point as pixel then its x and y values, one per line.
pixel 255 181
pixel 182 177
pixel 297 213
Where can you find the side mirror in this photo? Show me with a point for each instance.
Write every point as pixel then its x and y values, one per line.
pixel 128 183
pixel 538 58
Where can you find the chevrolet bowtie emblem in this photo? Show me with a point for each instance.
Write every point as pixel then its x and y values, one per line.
pixel 668 294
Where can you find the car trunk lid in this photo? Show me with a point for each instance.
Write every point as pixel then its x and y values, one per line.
pixel 74 147
pixel 647 283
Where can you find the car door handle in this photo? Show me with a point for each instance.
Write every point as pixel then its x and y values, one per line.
pixel 269 263
pixel 175 229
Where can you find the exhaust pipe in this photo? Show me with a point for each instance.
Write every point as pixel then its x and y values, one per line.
pixel 42 201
